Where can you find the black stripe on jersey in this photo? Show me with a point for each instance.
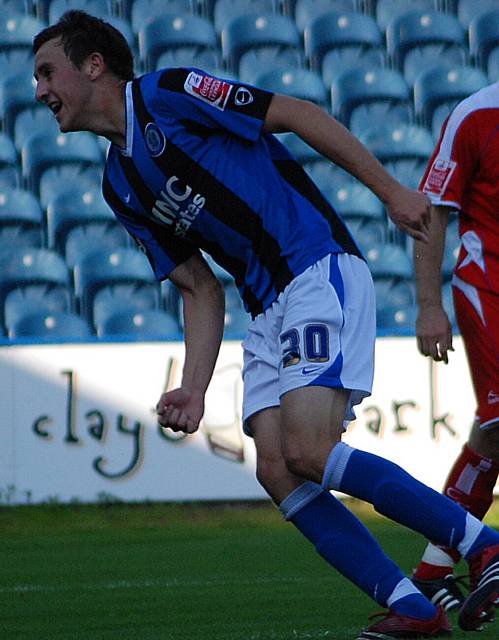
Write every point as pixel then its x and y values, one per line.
pixel 295 175
pixel 222 203
pixel 177 250
pixel 174 80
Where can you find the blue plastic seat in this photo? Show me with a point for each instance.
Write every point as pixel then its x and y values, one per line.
pixel 338 60
pixel 33 120
pixel 15 61
pixel 98 8
pixel 171 31
pixel 362 99
pixel 484 37
pixel 398 318
pixel 451 248
pixel 9 172
pixel 255 62
pixel 469 10
pixel 209 60
pixel 353 199
pixel 237 319
pixel 394 293
pixel 18 30
pixel 44 150
pixel 493 65
pixel 388 10
pixel 367 233
pixel 143 11
pixel 448 304
pixel 147 324
pixel 299 83
pixel 395 142
pixel 390 261
pixel 224 11
pixel 66 178
pixel 35 268
pixel 418 40
pixel 306 11
pixel 101 269
pixel 440 86
pixel 34 299
pixel 51 326
pixel 337 30
pixel 21 218
pixel 327 175
pixel 257 31
pixel 88 237
pixel 16 92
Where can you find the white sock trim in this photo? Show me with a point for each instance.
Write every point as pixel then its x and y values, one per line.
pixel 436 556
pixel 299 498
pixel 404 588
pixel 336 465
pixel 471 532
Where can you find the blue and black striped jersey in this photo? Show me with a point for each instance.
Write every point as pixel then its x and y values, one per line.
pixel 198 173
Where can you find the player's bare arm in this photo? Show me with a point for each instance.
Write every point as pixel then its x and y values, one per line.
pixel 433 329
pixel 204 308
pixel 408 208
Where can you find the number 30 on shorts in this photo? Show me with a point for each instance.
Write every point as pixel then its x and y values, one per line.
pixel 314 345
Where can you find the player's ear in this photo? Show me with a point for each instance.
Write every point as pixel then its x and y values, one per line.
pixel 94 65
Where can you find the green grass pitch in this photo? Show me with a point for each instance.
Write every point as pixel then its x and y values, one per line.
pixel 180 572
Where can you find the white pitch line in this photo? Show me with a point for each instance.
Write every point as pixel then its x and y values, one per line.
pixel 145 584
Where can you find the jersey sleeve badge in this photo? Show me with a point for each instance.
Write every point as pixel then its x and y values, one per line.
pixel 439 176
pixel 209 89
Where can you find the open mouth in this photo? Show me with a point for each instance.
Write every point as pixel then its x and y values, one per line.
pixel 55 107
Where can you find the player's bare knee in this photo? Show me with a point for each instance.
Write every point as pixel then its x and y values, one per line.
pixel 270 472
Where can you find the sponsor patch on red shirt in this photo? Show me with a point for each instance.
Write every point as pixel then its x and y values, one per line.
pixel 439 176
pixel 209 89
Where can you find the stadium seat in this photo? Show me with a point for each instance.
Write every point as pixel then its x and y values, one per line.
pixel 327 175
pixel 18 30
pixel 32 267
pixel 143 11
pixel 448 304
pixel 351 31
pixel 393 293
pixel 440 87
pixel 91 236
pixel 390 261
pixel 341 59
pixel 403 149
pixel 255 62
pixel 400 319
pixel 151 324
pixel 224 11
pixel 75 208
pixel 50 326
pixel 16 6
pixel 418 40
pixel 237 319
pixel 354 200
pixel 43 151
pixel 172 31
pixel 387 10
pixel 101 269
pixel 469 10
pixel 99 8
pixel 207 59
pixel 34 299
pixel 368 234
pixel 361 99
pixel 493 65
pixel 16 92
pixel 15 61
pixel 299 83
pixel 306 11
pixel 9 172
pixel 484 37
pixel 21 219
pixel 33 120
pixel 115 298
pixel 252 32
pixel 451 249
pixel 68 178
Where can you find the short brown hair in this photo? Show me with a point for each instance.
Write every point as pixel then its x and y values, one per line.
pixel 82 34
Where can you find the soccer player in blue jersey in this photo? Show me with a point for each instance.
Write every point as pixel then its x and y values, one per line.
pixel 193 167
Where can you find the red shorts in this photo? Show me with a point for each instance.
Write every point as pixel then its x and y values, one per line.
pixel 477 315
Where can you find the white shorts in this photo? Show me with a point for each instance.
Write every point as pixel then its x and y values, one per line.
pixel 320 331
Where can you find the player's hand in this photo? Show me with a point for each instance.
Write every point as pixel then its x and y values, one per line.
pixel 180 410
pixel 434 333
pixel 410 211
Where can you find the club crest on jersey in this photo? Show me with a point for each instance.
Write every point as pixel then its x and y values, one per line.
pixel 155 139
pixel 209 89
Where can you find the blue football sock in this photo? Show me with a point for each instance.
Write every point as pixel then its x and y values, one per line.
pixel 343 541
pixel 397 495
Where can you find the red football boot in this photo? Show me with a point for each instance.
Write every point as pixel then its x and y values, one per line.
pixel 394 625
